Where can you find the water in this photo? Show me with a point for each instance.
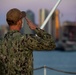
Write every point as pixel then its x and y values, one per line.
pixel 65 61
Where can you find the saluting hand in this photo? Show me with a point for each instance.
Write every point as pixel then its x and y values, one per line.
pixel 31 24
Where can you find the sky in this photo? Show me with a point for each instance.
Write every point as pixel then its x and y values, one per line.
pixel 67 8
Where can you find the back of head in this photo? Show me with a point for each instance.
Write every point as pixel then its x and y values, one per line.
pixel 13 16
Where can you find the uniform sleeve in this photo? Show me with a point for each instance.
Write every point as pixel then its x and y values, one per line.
pixel 43 41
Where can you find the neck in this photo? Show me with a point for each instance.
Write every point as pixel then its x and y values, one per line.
pixel 13 27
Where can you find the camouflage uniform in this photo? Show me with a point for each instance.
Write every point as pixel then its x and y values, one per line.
pixel 16 51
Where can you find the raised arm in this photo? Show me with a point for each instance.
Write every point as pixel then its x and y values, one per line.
pixel 43 40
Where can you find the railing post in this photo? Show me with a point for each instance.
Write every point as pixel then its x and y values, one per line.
pixel 44 70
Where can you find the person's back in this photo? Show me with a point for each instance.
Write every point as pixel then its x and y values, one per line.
pixel 16 50
pixel 15 55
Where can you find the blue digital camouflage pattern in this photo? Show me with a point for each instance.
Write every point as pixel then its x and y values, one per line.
pixel 16 51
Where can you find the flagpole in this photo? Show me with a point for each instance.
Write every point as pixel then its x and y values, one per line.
pixel 50 14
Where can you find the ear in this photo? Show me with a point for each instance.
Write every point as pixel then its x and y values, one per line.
pixel 19 22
